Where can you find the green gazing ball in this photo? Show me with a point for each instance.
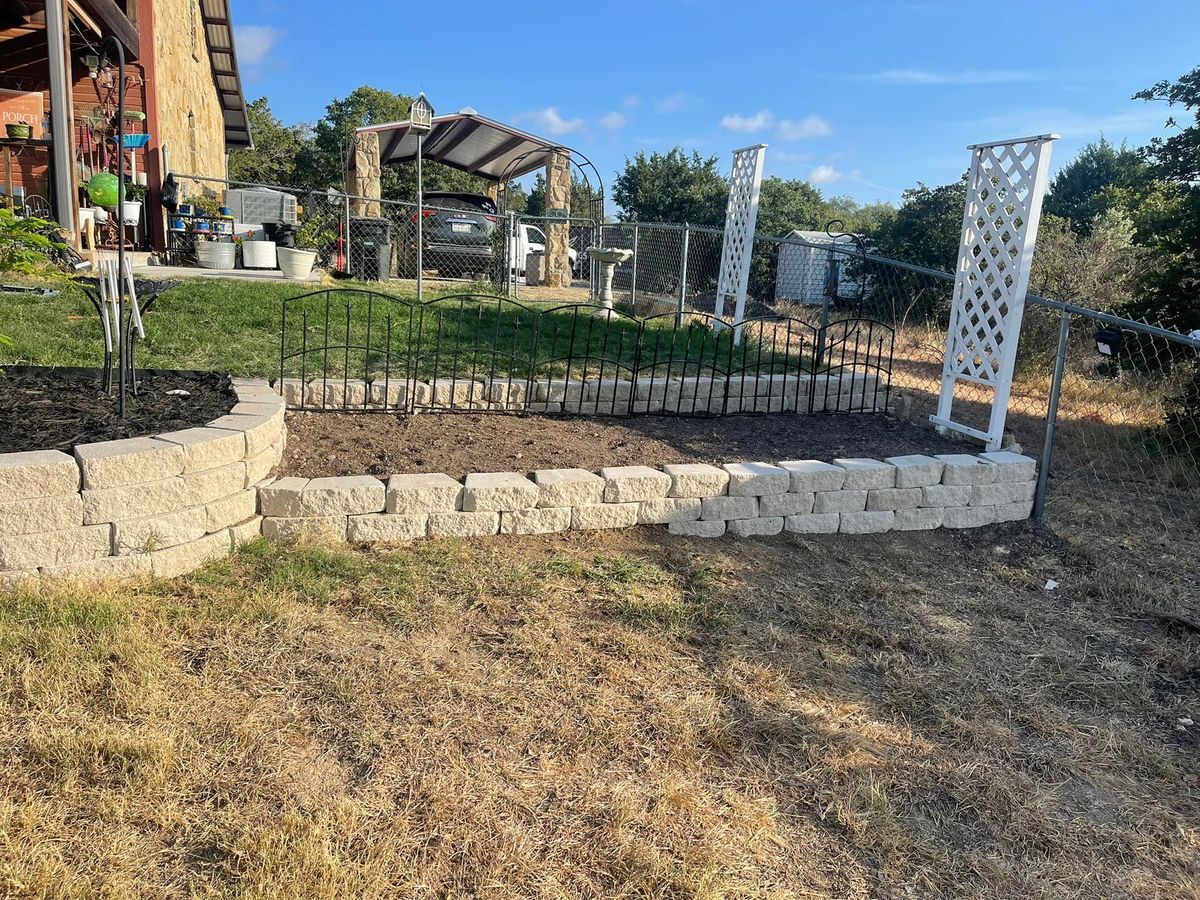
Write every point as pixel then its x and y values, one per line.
pixel 102 188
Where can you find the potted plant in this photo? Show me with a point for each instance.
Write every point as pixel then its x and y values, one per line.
pixel 131 209
pixel 295 259
pixel 257 254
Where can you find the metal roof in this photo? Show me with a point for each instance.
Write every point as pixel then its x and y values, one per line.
pixel 469 142
pixel 218 32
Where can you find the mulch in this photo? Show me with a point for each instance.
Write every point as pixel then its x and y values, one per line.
pixel 328 444
pixel 55 409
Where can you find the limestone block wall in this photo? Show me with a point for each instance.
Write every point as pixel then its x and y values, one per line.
pixel 158 505
pixel 848 391
pixel 850 496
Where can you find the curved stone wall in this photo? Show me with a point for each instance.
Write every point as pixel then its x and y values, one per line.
pixel 159 505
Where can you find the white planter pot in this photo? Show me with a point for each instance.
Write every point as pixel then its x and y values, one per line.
pixel 296 264
pixel 216 256
pixel 131 212
pixel 258 254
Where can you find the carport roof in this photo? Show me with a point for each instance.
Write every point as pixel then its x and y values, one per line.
pixel 469 142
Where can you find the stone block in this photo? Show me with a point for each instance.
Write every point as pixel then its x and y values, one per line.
pixel 608 390
pixel 151 533
pixel 418 494
pixel 257 408
pixel 702 386
pixel 790 504
pixel 344 495
pixel 41 514
pixel 604 515
pixel 213 484
pixel 294 391
pixel 728 508
pixel 55 548
pixel 456 393
pixel 762 526
pixel 867 474
pixel 874 522
pixel 542 407
pixel 372 527
pixel 110 464
pixel 259 466
pixel 968 516
pixel 916 470
pixel 702 529
pixel 184 558
pixel 923 519
pixel 230 510
pixel 840 502
pixel 498 492
pixel 463 524
pixel 818 523
pixel 37 473
pixel 244 532
pixel 630 484
pixel 1014 512
pixel 1011 466
pixel 568 487
pixel 884 499
pixel 9 580
pixel 304 528
pixel 696 480
pixel 660 389
pixel 966 468
pixel 282 498
pixel 134 500
pixel 254 390
pixel 754 479
pixel 207 448
pixel 102 568
pixel 937 495
pixel 667 510
pixel 810 475
pixel 1002 492
pixel 542 520
pixel 260 431
pixel 557 391
pixel 335 393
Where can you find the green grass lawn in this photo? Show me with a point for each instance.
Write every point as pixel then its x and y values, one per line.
pixel 235 326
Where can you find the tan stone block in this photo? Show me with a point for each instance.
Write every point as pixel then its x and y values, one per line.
pixel 207 448
pixel 789 504
pixel 840 502
pixel 712 508
pixel 884 499
pixel 288 529
pixel 942 495
pixel 568 487
pixel 710 529
pixel 37 473
pixel 754 479
pixel 866 474
pixel 916 470
pixel 873 522
pixel 1002 492
pixel 1010 466
pixel 150 533
pixel 968 516
pixel 696 480
pixel 260 431
pixel 259 466
pixel 110 464
pixel 230 510
pixel 923 519
pixel 18 577
pixel 1014 512
pixel 386 527
pixel 213 484
pixel 543 520
pixel 810 475
pixel 417 494
pixel 966 468
pixel 463 524
pixel 55 548
pixel 244 532
pixel 41 514
pixel 498 492
pixel 668 509
pixel 760 527
pixel 282 498
pixel 266 408
pixel 101 569
pixel 134 500
pixel 183 558
pixel 345 495
pixel 817 523
pixel 604 515
pixel 629 484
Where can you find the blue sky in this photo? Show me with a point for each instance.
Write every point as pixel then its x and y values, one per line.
pixel 862 98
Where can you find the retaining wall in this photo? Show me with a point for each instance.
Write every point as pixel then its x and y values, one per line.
pixel 158 505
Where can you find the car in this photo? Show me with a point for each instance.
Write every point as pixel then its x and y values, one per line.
pixel 532 239
pixel 457 231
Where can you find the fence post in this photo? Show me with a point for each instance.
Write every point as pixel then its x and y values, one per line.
pixel 633 282
pixel 511 245
pixel 346 243
pixel 1060 362
pixel 683 273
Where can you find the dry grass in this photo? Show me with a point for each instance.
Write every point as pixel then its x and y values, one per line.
pixel 612 716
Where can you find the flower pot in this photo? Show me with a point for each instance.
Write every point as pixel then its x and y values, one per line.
pixel 131 212
pixel 297 264
pixel 216 256
pixel 19 131
pixel 259 254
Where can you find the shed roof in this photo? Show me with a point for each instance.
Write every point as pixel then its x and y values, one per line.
pixel 218 32
pixel 469 142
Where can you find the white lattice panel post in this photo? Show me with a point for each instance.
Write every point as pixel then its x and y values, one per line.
pixel 741 215
pixel 1005 187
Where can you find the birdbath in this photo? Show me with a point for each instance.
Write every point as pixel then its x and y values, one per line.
pixel 609 258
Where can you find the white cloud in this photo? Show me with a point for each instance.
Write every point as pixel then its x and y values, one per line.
pixel 1126 124
pixel 756 122
pixel 631 101
pixel 808 127
pixel 824 175
pixel 675 102
pixel 613 121
pixel 552 122
pixel 967 76
pixel 254 43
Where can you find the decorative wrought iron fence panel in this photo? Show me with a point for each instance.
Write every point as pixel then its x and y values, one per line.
pixel 348 349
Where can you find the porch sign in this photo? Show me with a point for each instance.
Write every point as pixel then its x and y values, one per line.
pixel 741 216
pixel 22 107
pixel 1005 187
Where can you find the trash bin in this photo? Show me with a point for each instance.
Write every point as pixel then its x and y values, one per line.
pixel 370 250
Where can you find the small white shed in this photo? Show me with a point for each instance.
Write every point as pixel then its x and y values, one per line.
pixel 806 268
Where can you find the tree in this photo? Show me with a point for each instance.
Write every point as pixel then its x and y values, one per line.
pixel 277 150
pixel 1098 269
pixel 672 187
pixel 581 196
pixel 927 227
pixel 1100 176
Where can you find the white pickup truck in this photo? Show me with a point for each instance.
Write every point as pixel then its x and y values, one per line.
pixel 531 239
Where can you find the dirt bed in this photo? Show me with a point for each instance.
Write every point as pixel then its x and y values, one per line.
pixel 323 444
pixel 55 409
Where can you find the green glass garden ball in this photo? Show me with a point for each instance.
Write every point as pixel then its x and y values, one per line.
pixel 102 188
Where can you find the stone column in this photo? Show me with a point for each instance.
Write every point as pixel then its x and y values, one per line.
pixel 363 176
pixel 493 192
pixel 558 203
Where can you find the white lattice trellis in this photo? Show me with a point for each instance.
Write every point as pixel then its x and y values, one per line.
pixel 741 215
pixel 1005 187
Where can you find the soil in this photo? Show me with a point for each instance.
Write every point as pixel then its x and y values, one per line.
pixel 55 409
pixel 326 444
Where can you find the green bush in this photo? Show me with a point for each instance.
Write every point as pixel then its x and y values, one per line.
pixel 28 246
